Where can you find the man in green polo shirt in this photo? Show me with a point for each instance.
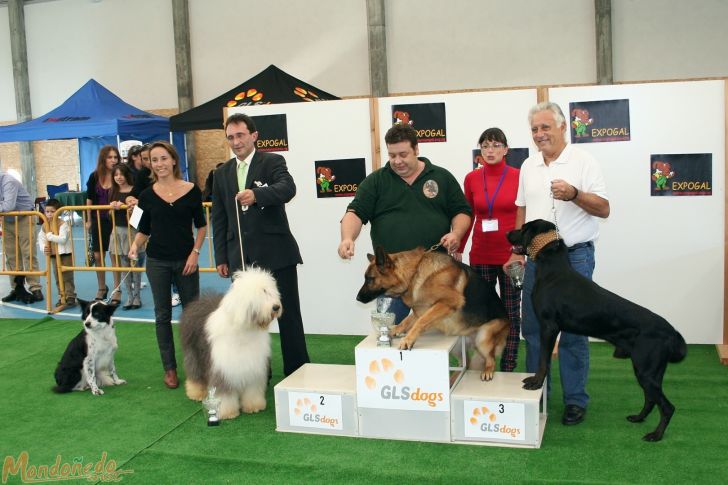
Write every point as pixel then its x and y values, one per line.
pixel 410 202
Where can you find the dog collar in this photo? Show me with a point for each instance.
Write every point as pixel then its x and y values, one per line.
pixel 539 241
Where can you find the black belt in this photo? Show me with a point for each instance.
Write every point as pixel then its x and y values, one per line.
pixel 576 246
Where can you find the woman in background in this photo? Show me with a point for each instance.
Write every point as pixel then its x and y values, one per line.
pixel 171 206
pixel 98 190
pixel 491 191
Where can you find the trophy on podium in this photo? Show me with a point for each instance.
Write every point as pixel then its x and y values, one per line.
pixel 383 321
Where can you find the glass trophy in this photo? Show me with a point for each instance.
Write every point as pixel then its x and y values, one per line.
pixel 383 321
pixel 212 407
pixel 515 272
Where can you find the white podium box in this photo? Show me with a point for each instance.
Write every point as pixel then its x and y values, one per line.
pixel 318 399
pixel 405 394
pixel 499 412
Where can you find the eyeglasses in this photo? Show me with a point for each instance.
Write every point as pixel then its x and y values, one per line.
pixel 494 146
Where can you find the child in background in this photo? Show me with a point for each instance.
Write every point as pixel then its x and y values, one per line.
pixel 123 233
pixel 63 246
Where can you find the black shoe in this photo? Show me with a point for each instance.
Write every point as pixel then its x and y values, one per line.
pixel 573 414
pixel 37 295
pixel 12 296
pixel 71 302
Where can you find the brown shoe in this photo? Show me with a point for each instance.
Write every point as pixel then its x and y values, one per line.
pixel 170 379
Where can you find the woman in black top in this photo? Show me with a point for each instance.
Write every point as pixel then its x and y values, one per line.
pixel 98 189
pixel 170 207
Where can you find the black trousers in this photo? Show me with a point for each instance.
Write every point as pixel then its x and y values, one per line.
pixel 290 324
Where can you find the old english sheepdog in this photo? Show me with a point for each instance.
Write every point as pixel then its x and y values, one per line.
pixel 226 342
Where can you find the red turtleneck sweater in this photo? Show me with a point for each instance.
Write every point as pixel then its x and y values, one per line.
pixel 491 247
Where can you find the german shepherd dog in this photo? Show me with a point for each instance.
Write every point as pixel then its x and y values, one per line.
pixel 565 300
pixel 443 294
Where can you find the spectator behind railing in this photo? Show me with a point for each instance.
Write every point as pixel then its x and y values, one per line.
pixel 14 197
pixel 62 244
pixel 98 190
pixel 123 234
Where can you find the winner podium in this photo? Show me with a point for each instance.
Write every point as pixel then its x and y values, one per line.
pixel 415 395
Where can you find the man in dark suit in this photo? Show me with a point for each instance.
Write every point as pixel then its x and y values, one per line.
pixel 251 190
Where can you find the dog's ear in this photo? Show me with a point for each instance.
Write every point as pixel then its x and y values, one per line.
pixel 370 257
pixel 110 309
pixel 382 258
pixel 84 304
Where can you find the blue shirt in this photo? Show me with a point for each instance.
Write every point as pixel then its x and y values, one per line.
pixel 13 196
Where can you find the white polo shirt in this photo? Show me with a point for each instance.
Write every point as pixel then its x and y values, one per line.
pixel 578 168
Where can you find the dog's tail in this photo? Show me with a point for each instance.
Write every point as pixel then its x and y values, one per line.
pixel 678 348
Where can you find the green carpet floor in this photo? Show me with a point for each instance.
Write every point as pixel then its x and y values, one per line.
pixel 155 435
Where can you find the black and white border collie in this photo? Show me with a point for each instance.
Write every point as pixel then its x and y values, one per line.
pixel 88 361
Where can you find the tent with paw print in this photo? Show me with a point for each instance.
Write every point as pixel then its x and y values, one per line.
pixel 270 86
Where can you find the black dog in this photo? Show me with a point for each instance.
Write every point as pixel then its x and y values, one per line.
pixel 565 300
pixel 88 361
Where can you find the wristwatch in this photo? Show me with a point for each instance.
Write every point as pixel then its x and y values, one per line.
pixel 196 250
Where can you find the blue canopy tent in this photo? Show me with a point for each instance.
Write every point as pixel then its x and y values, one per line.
pixel 97 117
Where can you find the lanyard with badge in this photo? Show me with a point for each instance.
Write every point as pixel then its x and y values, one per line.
pixel 490 224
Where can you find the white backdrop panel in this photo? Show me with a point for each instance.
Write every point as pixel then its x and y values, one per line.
pixel 327 285
pixel 665 253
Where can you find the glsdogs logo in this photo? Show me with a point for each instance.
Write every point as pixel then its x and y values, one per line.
pixel 486 421
pixel 308 411
pixel 390 381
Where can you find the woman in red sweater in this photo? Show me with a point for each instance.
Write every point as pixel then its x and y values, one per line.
pixel 491 191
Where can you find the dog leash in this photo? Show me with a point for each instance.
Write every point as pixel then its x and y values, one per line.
pixel 121 282
pixel 243 208
pixel 553 209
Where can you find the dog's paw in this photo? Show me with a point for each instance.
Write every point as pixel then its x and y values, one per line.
pixel 406 344
pixel 487 375
pixel 654 436
pixel 397 330
pixel 254 407
pixel 635 418
pixel 229 414
pixel 97 391
pixel 119 382
pixel 532 383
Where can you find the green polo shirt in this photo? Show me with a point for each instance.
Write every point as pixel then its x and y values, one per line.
pixel 406 216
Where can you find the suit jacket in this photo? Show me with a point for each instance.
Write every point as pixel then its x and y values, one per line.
pixel 267 238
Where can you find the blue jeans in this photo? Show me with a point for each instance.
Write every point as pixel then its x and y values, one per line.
pixel 162 274
pixel 573 349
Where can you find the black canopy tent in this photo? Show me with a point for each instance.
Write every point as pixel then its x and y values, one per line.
pixel 270 86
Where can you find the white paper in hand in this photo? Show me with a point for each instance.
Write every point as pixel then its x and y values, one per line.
pixel 136 216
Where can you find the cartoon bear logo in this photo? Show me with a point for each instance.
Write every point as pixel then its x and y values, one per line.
pixel 661 173
pixel 324 179
pixel 580 121
pixel 402 117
